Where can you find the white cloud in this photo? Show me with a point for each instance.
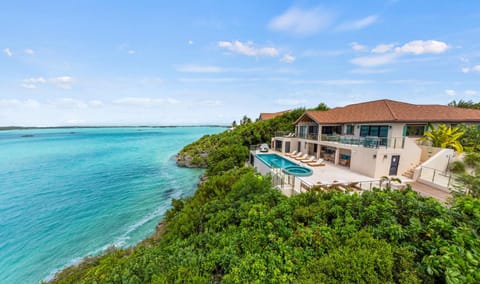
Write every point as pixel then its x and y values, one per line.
pixel 9 102
pixel 68 103
pixel 131 51
pixel 28 103
pixel 7 52
pixel 358 24
pixel 287 58
pixel 382 48
pixel 388 53
pixel 191 68
pixel 475 68
pixel 374 60
pixel 248 48
pixel 63 82
pixel 95 103
pixel 451 92
pixel 470 92
pixel 190 42
pixel 29 86
pixel 302 22
pixel 29 51
pixel 211 103
pixel 145 102
pixel 358 47
pixel 339 82
pixel 418 47
pixel 290 102
pixel 35 80
pixel 369 71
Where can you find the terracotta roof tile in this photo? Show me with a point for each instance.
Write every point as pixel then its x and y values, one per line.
pixel 267 115
pixel 394 111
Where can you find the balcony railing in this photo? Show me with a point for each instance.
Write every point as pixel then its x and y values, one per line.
pixel 310 136
pixel 369 142
pixel 284 134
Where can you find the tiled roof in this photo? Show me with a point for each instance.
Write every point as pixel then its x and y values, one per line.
pixel 393 111
pixel 267 116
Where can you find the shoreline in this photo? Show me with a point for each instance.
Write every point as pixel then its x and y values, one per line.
pixel 149 240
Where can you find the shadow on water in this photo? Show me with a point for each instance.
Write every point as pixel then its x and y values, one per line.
pixel 169 192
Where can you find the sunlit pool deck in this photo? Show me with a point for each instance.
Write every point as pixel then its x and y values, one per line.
pixel 329 175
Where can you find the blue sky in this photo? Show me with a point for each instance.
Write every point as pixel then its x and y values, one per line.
pixel 195 62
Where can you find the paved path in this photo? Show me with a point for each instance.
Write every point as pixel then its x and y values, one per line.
pixel 429 191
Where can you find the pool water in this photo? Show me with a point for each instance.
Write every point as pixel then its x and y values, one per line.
pixel 298 171
pixel 275 160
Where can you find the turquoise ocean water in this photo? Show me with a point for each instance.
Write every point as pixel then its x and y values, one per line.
pixel 68 193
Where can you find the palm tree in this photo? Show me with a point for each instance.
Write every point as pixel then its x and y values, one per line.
pixel 389 181
pixel 444 137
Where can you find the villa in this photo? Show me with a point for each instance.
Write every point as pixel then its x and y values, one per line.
pixel 376 138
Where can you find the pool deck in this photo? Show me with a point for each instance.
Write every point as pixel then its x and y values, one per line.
pixel 331 173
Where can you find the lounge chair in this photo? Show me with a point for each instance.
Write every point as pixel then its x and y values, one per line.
pixel 318 163
pixel 308 160
pixel 299 154
pixel 304 156
pixel 291 154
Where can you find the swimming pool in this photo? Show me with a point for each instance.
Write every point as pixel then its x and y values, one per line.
pixel 274 160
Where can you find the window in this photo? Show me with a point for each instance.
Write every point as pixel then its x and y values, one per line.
pixel 415 130
pixel 329 130
pixel 313 129
pixel 278 145
pixel 349 129
pixel 374 130
pixel 302 131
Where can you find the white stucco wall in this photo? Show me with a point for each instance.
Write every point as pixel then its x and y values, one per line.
pixel 260 166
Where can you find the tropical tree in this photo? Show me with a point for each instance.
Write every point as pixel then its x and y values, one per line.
pixel 471 138
pixel 389 181
pixel 464 104
pixel 321 106
pixel 444 137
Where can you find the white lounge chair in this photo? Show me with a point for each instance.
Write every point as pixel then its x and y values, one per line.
pixel 291 154
pixel 301 157
pixel 308 160
pixel 318 163
pixel 299 154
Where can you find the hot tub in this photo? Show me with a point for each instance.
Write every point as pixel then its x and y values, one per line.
pixel 298 171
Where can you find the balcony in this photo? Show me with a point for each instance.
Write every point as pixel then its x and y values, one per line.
pixel 309 136
pixel 368 142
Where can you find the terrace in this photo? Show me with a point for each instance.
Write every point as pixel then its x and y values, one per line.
pixel 368 141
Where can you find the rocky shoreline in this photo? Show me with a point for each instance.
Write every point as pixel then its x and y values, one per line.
pixel 186 160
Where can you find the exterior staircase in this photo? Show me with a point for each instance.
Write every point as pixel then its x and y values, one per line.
pixel 409 173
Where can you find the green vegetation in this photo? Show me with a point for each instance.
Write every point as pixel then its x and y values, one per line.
pixel 444 136
pixel 465 104
pixel 321 106
pixel 230 149
pixel 471 138
pixel 237 229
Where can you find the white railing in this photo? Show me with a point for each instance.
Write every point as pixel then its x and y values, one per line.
pixel 438 177
pixel 369 142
